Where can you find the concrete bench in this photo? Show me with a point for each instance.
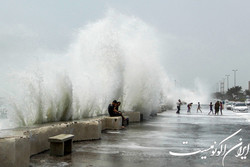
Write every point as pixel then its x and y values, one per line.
pixel 61 144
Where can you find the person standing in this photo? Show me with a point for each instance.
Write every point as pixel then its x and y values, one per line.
pixel 221 107
pixel 189 107
pixel 199 107
pixel 211 108
pixel 217 107
pixel 178 106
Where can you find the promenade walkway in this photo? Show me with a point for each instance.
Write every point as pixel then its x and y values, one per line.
pixel 148 144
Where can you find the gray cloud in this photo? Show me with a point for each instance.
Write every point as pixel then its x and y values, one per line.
pixel 203 39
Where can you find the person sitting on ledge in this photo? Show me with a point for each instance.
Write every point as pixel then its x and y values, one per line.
pixel 113 111
pixel 118 105
pixel 111 108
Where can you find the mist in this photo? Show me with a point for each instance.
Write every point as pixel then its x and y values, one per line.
pixel 115 57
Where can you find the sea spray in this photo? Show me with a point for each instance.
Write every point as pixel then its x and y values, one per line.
pixel 117 57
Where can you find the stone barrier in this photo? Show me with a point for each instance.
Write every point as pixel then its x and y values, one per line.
pixel 133 116
pixel 103 123
pixel 90 130
pixel 14 151
pixel 82 130
pixel 113 123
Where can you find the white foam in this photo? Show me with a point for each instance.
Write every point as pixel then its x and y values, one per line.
pixel 116 57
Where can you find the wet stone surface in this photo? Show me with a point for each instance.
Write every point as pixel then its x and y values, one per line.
pixel 148 144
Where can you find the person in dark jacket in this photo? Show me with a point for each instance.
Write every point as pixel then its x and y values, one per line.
pixel 113 112
pixel 211 108
pixel 111 108
pixel 217 107
pixel 189 107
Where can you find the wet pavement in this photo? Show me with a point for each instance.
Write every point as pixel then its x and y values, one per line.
pixel 153 143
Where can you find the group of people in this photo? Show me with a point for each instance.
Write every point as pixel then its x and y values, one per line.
pixel 189 106
pixel 113 110
pixel 217 107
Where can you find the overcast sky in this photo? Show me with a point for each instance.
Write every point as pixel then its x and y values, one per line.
pixel 203 39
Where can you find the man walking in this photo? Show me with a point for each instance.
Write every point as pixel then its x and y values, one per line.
pixel 178 107
pixel 199 107
pixel 211 108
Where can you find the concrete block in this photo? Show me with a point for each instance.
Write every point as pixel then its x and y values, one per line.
pixel 39 137
pixel 86 130
pixel 82 130
pixel 113 123
pixel 103 123
pixel 14 152
pixel 133 116
pixel 22 151
pixel 7 152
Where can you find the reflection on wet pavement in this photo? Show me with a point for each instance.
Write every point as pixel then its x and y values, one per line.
pixel 148 144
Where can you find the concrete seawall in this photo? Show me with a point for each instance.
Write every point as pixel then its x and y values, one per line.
pixel 82 130
pixel 15 150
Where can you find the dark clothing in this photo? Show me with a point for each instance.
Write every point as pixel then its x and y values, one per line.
pixel 111 110
pixel 178 109
pixel 189 107
pixel 115 114
pixel 112 113
pixel 211 109
pixel 217 107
